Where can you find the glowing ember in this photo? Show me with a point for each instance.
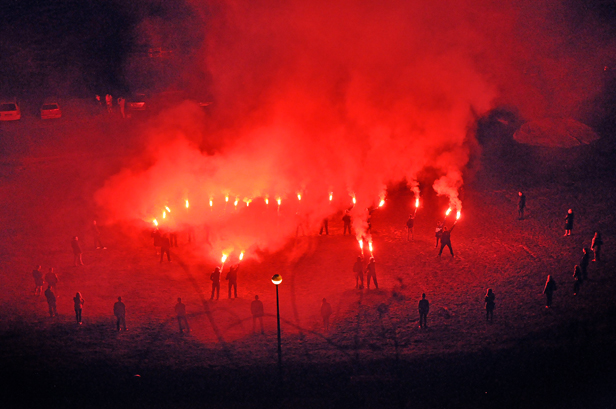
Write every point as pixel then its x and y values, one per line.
pixel 331 196
pixel 448 211
pixel 187 203
pixel 382 203
pixel 417 202
pixel 241 255
pixel 167 207
pixel 224 258
pixel 155 222
pixel 458 215
pixel 299 196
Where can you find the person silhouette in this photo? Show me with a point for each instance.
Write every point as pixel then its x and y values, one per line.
pixel 596 246
pixel 256 308
pixel 489 304
pixel 215 277
pixel 569 223
pixel 548 290
pixel 521 205
pixel 37 274
pixel 180 312
pixel 446 239
pixel 119 310
pixel 232 278
pixel 410 223
pixel 424 308
pixel 358 269
pixel 371 273
pixel 51 301
pixel 79 301
pixel 76 252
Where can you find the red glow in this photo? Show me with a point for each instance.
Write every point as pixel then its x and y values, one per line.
pixel 331 196
pixel 241 255
pixel 458 215
pixel 370 246
pixel 448 211
pixel 223 258
pixel 155 222
pixel 354 200
pixel 299 196
pixel 382 203
pixel 417 203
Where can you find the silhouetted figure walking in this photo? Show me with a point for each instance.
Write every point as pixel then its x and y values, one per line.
pixel 596 246
pixel 446 239
pixel 51 301
pixel 326 312
pixel 180 312
pixel 521 205
pixel 76 251
pixel 52 279
pixel 215 277
pixel 119 310
pixel 548 290
pixel 232 278
pixel 358 269
pixel 577 279
pixel 97 236
pixel 256 308
pixel 37 274
pixel 584 263
pixel 410 224
pixel 346 219
pixel 79 301
pixel 569 223
pixel 371 273
pixel 489 304
pixel 438 233
pixel 324 227
pixel 424 308
pixel 165 247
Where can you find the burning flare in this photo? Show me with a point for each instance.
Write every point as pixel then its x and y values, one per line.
pixel 354 200
pixel 447 212
pixel 370 246
pixel 155 222
pixel 187 203
pixel 241 255
pixel 382 203
pixel 164 214
pixel 331 196
pixel 267 201
pixel 299 196
pixel 417 203
pixel 458 215
pixel 227 198
pixel 224 258
pixel 167 207
pixel 211 203
pixel 278 200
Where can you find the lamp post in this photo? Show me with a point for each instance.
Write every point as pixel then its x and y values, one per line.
pixel 277 279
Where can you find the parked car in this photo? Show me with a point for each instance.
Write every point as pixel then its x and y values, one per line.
pixel 137 102
pixel 9 111
pixel 50 110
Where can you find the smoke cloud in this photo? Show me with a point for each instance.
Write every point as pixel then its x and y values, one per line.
pixel 345 97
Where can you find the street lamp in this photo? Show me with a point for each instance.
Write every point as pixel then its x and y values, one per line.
pixel 277 279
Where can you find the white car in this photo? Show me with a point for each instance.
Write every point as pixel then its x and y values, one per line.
pixel 50 110
pixel 9 111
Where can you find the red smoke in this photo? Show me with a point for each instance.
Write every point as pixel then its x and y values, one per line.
pixel 344 97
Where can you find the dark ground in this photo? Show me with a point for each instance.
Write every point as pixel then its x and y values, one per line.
pixel 529 357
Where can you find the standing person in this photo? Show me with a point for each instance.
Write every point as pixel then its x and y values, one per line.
pixel 51 301
pixel 569 223
pixel 489 304
pixel 76 252
pixel 122 104
pixel 521 205
pixel 596 246
pixel 215 277
pixel 109 102
pixel 324 226
pixel 358 269
pixel 119 310
pixel 38 280
pixel 584 264
pixel 173 238
pixel 158 237
pixel 165 247
pixel 446 239
pixel 548 290
pixel 346 219
pixel 232 278
pixel 256 308
pixel 79 301
pixel 409 228
pixel 326 312
pixel 577 277
pixel 424 308
pixel 180 312
pixel 371 273
pixel 97 236
pixel 439 232
pixel 52 279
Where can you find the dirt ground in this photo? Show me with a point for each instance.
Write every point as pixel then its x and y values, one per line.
pixel 374 355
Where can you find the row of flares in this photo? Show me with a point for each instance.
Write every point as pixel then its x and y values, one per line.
pixel 224 257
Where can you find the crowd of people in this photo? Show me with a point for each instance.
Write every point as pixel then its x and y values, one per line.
pixel 164 241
